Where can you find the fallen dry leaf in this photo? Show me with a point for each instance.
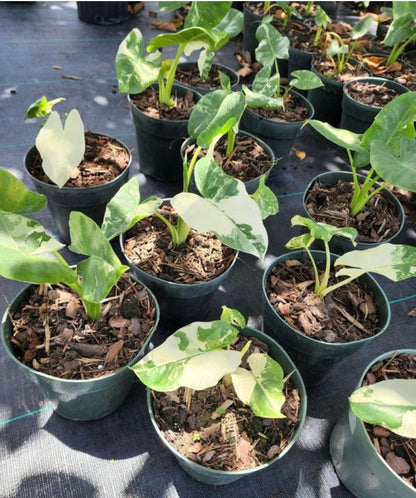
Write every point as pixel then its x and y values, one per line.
pixel 113 351
pixel 300 154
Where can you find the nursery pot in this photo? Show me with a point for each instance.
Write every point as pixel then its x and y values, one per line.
pixel 338 244
pixel 92 201
pixel 104 13
pixel 280 136
pixel 327 99
pixel 77 399
pixel 315 358
pixel 200 88
pixel 180 303
pixel 357 463
pixel 251 185
pixel 159 141
pixel 211 476
pixel 356 116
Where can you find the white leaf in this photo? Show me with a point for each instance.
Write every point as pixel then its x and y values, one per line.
pixel 61 148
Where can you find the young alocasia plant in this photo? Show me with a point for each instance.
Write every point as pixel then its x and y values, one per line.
pixel 136 71
pixel 388 145
pixel 266 87
pixel 388 403
pixel 198 356
pixel 224 208
pixel 61 148
pixel 218 16
pixel 29 254
pixel 42 107
pixel 394 261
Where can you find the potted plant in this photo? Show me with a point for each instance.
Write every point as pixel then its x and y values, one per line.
pixel 363 98
pixel 203 75
pixel 75 169
pixel 335 66
pixel 274 114
pixel 387 147
pixel 202 361
pixel 371 445
pixel 159 107
pixel 318 317
pixel 214 131
pixel 74 330
pixel 195 236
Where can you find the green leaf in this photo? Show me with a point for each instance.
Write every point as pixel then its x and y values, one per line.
pixel 343 138
pixel 388 403
pixel 190 39
pixel 305 80
pixel 394 261
pixel 265 199
pixel 300 242
pixel 102 269
pixel 22 243
pixel 215 114
pixel 232 23
pixel 398 170
pixel 392 124
pixel 265 82
pixel 262 387
pixel 233 316
pixel 323 231
pixel 135 71
pixel 42 107
pixel 170 5
pixel 124 210
pixel 61 148
pixel 361 27
pixel 192 357
pixel 207 14
pixel 260 99
pixel 226 209
pixel 16 198
pixel 272 45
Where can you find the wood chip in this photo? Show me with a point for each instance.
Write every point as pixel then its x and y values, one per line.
pixel 398 464
pixel 113 351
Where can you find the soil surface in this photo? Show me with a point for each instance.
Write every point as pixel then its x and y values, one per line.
pixel 330 204
pixel 398 452
pixel 346 314
pixel 149 246
pixel 248 161
pixel 325 67
pixel 191 77
pixel 373 94
pixel 292 111
pixel 104 159
pixel 53 335
pixel 148 102
pixel 219 431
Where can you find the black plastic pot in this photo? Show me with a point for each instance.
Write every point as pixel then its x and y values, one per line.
pixel 314 358
pixel 103 13
pixel 251 185
pixel 77 399
pixel 92 201
pixel 357 462
pixel 340 245
pixel 280 136
pixel 159 141
pixel 234 77
pixel 356 116
pixel 216 477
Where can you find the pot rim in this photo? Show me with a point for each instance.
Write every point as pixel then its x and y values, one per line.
pixel 80 189
pixel 332 345
pixel 6 342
